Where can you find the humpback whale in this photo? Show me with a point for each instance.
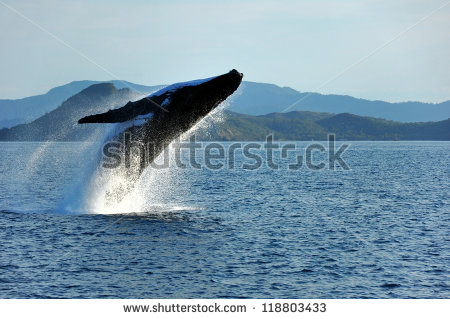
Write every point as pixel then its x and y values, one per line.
pixel 161 117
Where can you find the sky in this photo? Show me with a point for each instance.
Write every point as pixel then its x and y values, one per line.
pixel 373 49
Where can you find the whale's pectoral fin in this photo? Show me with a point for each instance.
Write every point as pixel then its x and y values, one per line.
pixel 128 112
pixel 98 118
pixel 122 114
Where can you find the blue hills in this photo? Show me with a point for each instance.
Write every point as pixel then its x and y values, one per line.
pixel 263 98
pixel 20 111
pixel 60 124
pixel 251 99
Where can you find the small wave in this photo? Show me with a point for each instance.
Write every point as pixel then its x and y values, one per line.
pixel 390 285
pixel 152 210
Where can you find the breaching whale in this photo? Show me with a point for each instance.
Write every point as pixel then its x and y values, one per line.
pixel 161 117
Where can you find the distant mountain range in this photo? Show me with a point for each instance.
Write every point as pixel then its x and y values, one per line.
pixel 262 98
pixel 13 112
pixel 61 124
pixel 252 99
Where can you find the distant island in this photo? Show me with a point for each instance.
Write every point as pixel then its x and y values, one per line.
pixel 307 126
pixel 60 124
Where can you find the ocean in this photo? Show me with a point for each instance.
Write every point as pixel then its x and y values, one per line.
pixel 378 230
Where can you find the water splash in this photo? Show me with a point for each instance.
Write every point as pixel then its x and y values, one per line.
pixel 155 189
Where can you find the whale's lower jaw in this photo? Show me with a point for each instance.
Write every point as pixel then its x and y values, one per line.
pixel 155 121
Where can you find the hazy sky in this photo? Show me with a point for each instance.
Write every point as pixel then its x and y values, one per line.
pixel 301 44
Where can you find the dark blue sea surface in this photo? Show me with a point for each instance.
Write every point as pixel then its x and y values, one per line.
pixel 379 230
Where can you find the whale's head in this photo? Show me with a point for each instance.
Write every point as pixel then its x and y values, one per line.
pixel 196 99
